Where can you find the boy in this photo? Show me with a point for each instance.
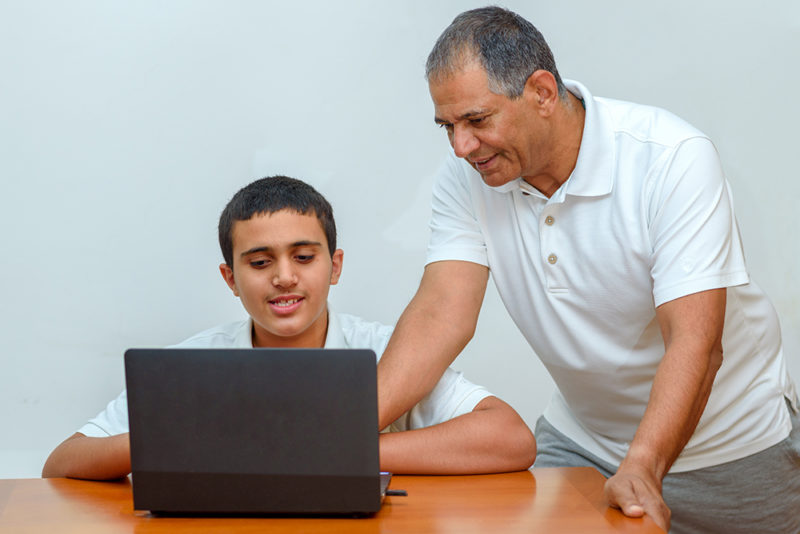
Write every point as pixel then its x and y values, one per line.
pixel 278 238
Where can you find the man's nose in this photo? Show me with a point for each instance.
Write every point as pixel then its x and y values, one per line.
pixel 463 141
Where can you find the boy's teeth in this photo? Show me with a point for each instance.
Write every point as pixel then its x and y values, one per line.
pixel 286 302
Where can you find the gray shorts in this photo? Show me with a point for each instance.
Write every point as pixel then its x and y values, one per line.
pixel 756 494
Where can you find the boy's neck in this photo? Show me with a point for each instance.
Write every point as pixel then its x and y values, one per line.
pixel 312 338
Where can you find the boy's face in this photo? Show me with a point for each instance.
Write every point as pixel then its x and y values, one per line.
pixel 282 271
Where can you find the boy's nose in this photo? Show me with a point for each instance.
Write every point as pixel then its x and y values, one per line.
pixel 285 275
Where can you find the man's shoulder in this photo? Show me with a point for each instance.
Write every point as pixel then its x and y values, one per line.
pixel 645 123
pixel 220 336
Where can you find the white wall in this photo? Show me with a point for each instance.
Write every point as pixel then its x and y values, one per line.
pixel 126 126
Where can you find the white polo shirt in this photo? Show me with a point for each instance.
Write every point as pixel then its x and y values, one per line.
pixel 645 217
pixel 454 395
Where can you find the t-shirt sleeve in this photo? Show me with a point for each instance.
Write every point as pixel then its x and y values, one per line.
pixel 111 421
pixel 453 395
pixel 455 230
pixel 695 240
pixel 114 419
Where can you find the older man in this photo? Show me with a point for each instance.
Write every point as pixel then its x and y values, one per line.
pixel 608 228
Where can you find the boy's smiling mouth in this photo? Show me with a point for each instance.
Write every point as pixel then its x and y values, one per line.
pixel 286 304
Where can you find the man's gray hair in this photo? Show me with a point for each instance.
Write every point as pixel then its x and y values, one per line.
pixel 508 47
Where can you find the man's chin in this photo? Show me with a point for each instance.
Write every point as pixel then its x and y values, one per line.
pixel 496 179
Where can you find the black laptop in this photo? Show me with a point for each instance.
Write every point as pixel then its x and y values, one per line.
pixel 254 431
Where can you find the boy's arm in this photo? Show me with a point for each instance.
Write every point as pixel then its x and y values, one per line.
pixel 492 438
pixel 90 458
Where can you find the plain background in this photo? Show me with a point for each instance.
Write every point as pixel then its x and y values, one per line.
pixel 126 126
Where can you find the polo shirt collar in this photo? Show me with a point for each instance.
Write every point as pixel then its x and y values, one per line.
pixel 244 337
pixel 334 339
pixel 593 172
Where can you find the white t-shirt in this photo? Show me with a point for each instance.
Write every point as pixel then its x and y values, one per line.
pixel 645 217
pixel 454 395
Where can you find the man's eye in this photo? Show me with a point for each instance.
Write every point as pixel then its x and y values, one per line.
pixel 258 264
pixel 477 120
pixel 446 126
pixel 304 258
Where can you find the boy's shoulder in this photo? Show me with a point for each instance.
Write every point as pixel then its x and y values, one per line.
pixel 360 333
pixel 229 335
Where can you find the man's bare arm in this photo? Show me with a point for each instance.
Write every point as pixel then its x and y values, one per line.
pixel 492 438
pixel 692 330
pixel 437 324
pixel 90 458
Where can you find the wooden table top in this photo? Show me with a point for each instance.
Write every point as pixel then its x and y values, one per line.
pixel 563 500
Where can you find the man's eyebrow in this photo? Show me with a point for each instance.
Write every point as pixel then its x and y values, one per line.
pixel 467 115
pixel 304 243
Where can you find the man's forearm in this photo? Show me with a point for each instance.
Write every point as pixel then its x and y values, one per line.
pixel 414 362
pixel 682 385
pixel 692 330
pixel 90 458
pixel 491 439
pixel 677 400
pixel 435 327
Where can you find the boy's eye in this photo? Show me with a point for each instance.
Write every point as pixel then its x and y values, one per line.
pixel 259 263
pixel 304 258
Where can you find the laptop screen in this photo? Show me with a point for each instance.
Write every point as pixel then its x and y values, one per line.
pixel 253 430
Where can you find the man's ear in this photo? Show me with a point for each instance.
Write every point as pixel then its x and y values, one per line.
pixel 542 90
pixel 227 275
pixel 336 260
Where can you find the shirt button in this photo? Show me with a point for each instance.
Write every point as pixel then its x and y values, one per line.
pixel 549 220
pixel 552 258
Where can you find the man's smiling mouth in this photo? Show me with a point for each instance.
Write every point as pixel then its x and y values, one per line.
pixel 482 163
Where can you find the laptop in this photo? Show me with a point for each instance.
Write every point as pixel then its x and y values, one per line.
pixel 254 431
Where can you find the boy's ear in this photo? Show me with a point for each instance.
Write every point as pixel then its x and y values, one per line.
pixel 227 275
pixel 336 260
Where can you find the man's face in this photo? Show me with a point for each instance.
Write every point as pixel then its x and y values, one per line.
pixel 282 271
pixel 500 138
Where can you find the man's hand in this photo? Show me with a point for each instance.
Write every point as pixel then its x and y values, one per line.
pixel 637 492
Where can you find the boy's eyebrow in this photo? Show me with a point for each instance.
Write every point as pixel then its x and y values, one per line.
pixel 256 250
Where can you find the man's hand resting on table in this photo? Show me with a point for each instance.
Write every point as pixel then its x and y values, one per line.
pixel 637 492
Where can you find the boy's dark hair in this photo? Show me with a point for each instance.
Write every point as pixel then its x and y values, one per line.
pixel 271 194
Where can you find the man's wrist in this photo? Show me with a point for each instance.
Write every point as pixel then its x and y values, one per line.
pixel 644 461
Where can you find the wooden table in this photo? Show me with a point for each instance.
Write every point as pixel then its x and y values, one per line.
pixel 563 500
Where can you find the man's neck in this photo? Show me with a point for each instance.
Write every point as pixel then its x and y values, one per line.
pixel 565 136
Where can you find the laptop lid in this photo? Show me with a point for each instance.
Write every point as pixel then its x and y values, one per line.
pixel 253 430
